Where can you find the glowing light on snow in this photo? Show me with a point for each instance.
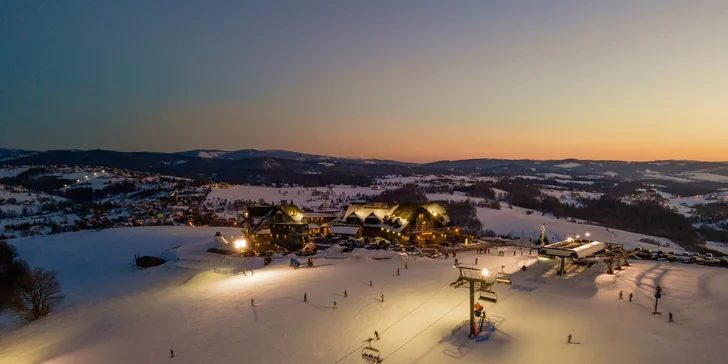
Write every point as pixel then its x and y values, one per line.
pixel 240 244
pixel 484 272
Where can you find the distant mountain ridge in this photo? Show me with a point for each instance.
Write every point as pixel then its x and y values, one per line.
pixel 282 154
pixel 263 165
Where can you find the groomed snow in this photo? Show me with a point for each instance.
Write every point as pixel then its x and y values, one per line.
pixel 208 318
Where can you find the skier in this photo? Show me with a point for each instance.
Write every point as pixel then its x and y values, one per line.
pixel 376 334
pixel 530 250
pixel 568 339
pixel 630 297
pixel 171 353
pixel 487 251
pixel 334 305
pixel 397 271
pixel 670 316
pixel 305 297
pixel 447 255
pixel 523 268
pixel 251 273
pixel 252 303
pixel 382 297
pixel 476 261
pixel 345 294
pixel 514 253
pixel 620 295
pixel 454 254
pixel 370 283
pixel 405 265
pixel 456 262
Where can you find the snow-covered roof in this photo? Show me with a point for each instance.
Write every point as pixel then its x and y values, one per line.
pixel 344 230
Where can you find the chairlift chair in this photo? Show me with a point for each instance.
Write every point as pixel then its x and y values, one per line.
pixel 371 355
pixel 488 296
pixel 503 277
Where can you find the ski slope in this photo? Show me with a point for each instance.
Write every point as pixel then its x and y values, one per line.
pixel 517 222
pixel 117 315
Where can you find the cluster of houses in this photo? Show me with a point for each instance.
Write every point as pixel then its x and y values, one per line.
pixel 418 224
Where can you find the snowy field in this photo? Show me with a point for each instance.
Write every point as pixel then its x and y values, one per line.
pixel 12 171
pixel 117 315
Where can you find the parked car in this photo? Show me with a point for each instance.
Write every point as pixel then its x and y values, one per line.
pixel 712 262
pixel 696 259
pixel 685 258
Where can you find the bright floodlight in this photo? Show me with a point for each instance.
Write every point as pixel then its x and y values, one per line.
pixel 587 235
pixel 240 244
pixel 484 272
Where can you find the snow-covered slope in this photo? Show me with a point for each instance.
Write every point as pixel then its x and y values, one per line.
pixel 208 318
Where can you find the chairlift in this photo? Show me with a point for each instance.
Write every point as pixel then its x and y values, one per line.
pixel 503 277
pixel 488 296
pixel 371 355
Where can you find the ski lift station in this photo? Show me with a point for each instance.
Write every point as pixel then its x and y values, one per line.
pixel 571 248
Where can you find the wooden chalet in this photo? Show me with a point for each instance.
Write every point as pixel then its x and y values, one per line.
pixel 426 223
pixel 277 224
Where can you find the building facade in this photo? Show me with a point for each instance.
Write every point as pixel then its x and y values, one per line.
pixel 418 224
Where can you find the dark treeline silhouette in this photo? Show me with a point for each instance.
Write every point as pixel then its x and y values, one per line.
pixel 464 215
pixel 409 193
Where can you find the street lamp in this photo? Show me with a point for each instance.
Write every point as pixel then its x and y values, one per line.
pixel 484 272
pixel 241 244
pixel 587 235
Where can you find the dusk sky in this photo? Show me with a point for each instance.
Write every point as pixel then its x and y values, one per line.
pixel 407 80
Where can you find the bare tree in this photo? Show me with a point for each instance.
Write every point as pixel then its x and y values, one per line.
pixel 38 293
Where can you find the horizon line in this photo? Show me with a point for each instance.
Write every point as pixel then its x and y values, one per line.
pixel 365 159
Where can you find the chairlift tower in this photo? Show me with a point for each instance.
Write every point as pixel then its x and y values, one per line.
pixel 543 234
pixel 478 280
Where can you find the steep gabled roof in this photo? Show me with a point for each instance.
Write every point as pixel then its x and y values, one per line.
pixel 372 219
